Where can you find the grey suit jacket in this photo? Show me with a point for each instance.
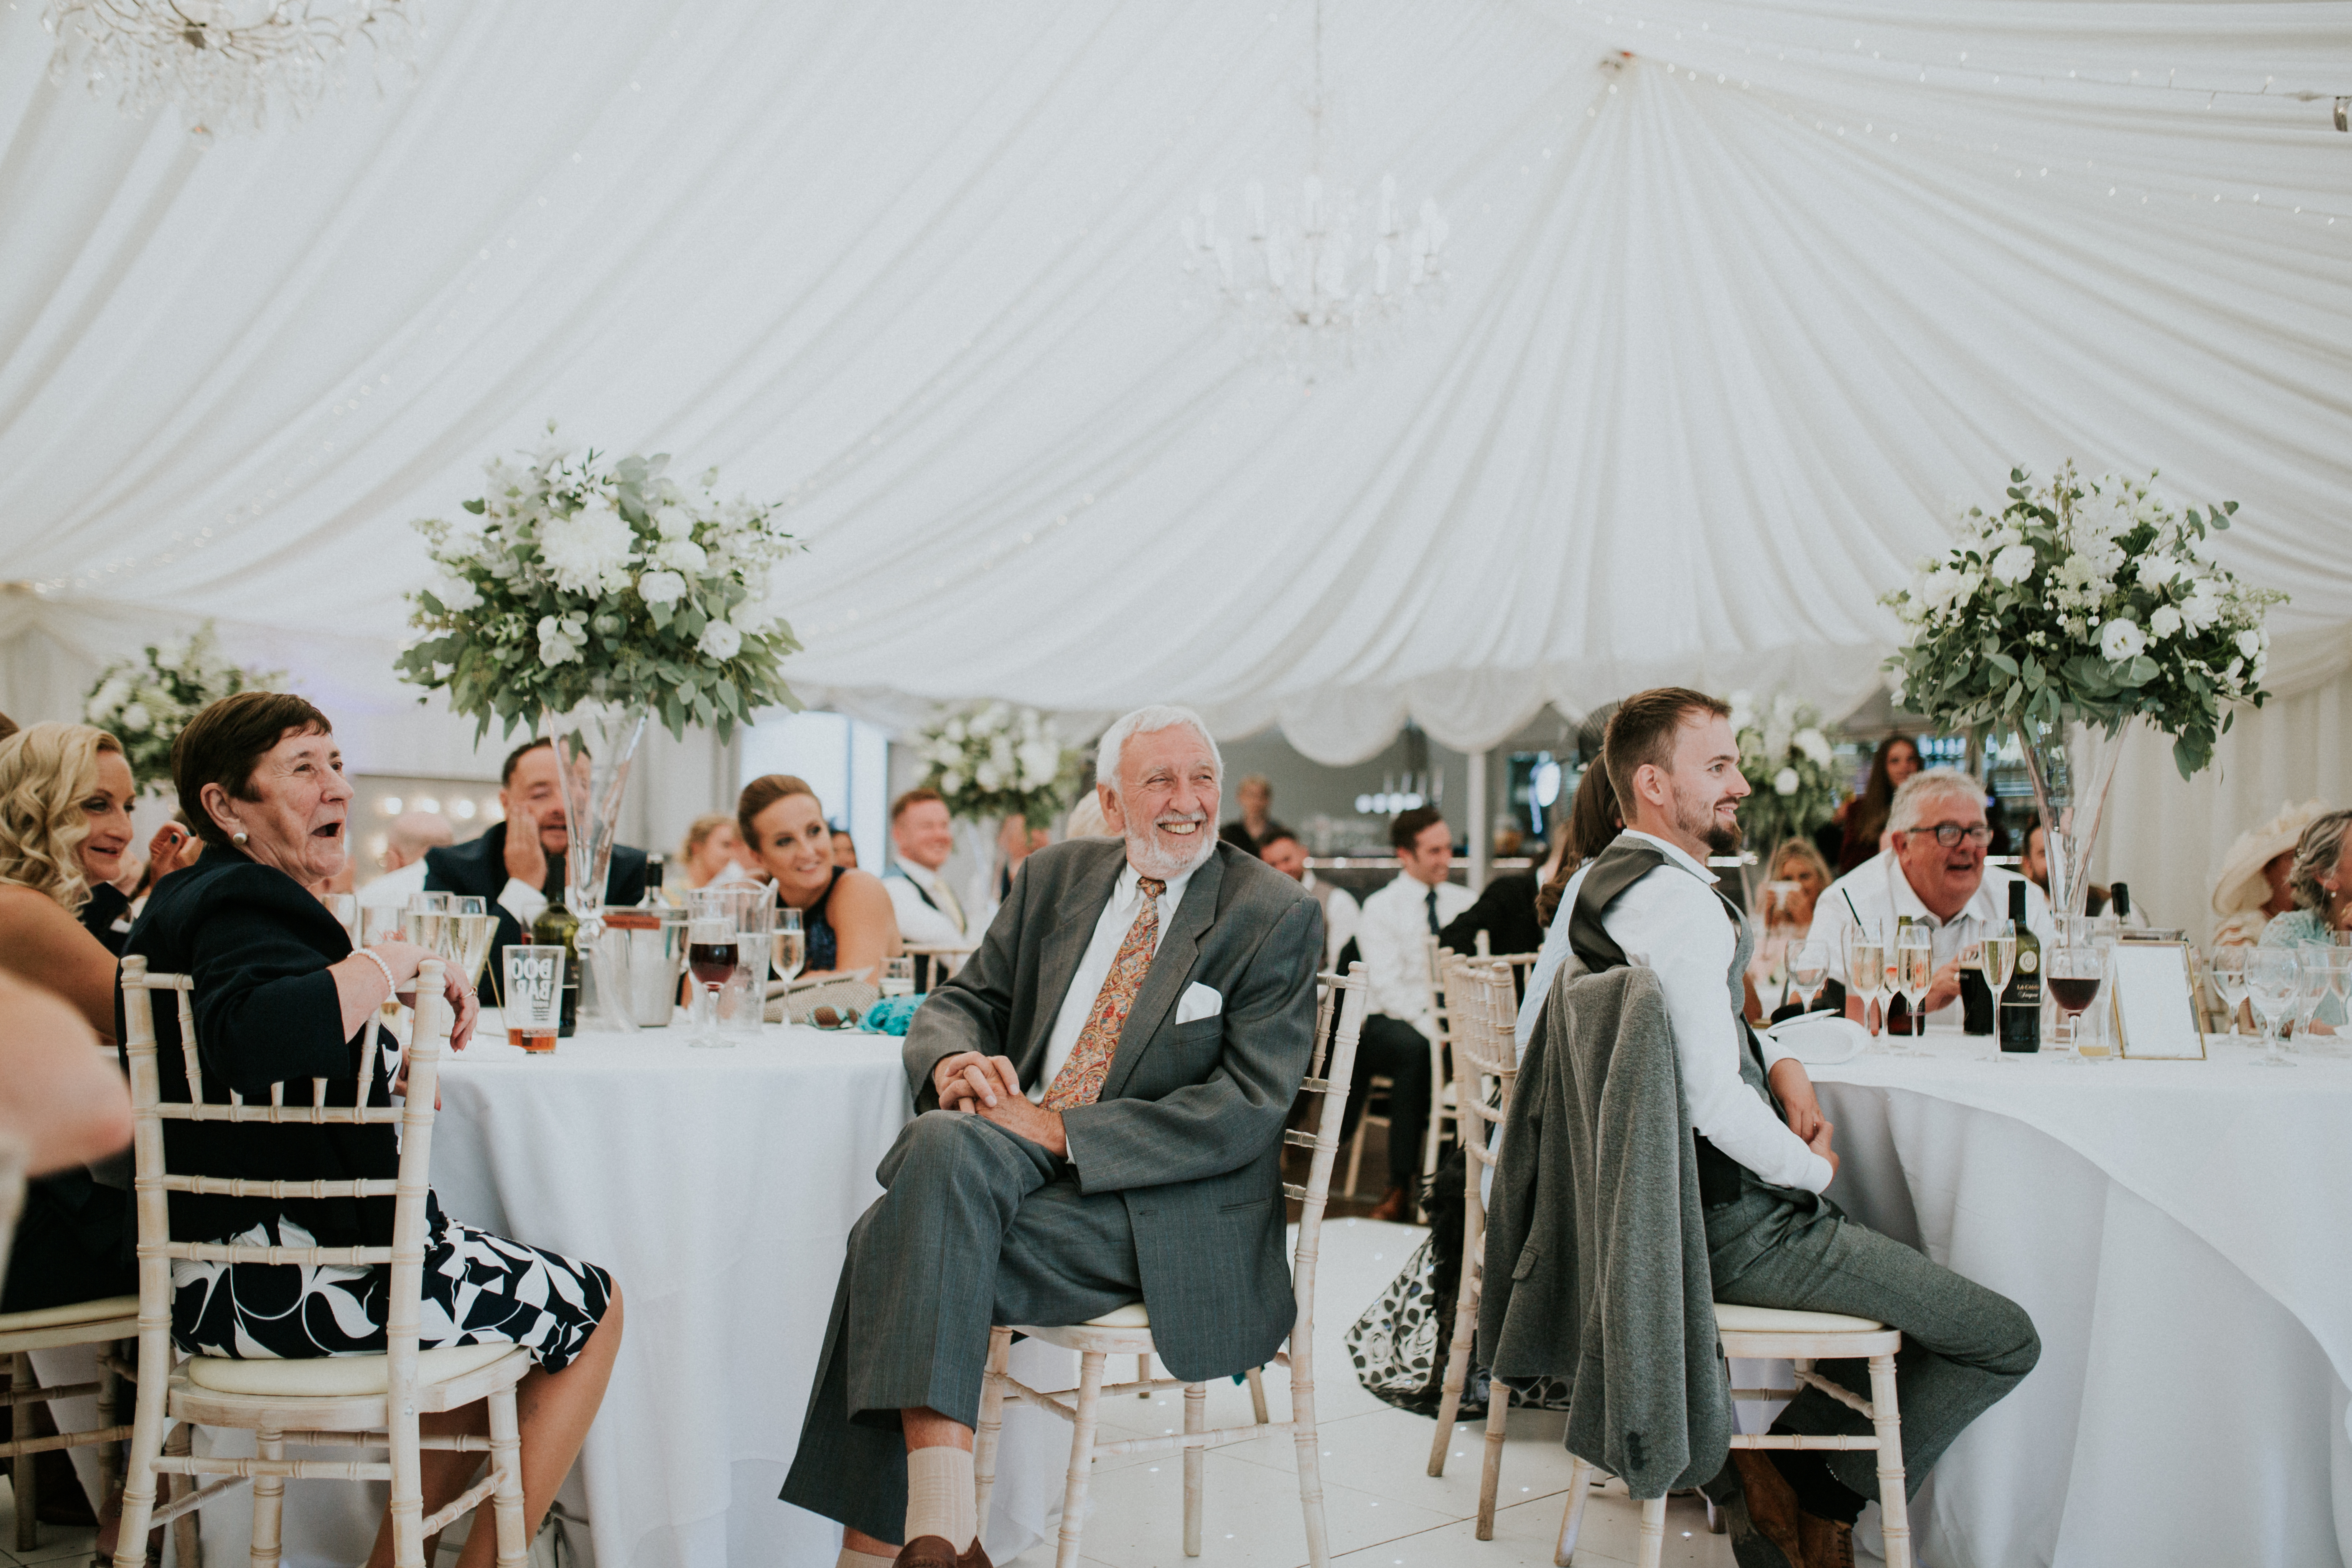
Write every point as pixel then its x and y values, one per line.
pixel 1188 1132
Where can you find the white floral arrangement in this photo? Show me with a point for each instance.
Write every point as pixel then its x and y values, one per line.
pixel 998 761
pixel 146 701
pixel 2090 600
pixel 590 581
pixel 1790 767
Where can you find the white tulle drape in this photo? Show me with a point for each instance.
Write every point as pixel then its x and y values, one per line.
pixel 1746 297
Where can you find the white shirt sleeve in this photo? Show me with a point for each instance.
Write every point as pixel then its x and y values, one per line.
pixel 918 923
pixel 1343 918
pixel 1674 924
pixel 522 900
pixel 1391 941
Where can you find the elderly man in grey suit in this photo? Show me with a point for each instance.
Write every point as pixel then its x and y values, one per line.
pixel 1101 1094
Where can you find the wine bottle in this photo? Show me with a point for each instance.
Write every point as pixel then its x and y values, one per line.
pixel 2119 900
pixel 559 927
pixel 1898 1006
pixel 655 898
pixel 2021 1004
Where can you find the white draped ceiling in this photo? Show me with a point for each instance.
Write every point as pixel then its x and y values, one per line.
pixel 1734 324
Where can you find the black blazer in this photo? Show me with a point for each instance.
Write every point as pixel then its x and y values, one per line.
pixel 258 946
pixel 479 868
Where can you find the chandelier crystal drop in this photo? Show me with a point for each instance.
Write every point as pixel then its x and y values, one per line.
pixel 227 64
pixel 1317 288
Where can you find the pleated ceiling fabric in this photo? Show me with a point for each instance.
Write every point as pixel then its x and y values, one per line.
pixel 1745 301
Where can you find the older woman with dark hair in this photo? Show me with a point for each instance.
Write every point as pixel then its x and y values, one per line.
pixel 281 997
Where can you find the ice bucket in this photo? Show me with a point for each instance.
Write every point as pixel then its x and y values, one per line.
pixel 651 947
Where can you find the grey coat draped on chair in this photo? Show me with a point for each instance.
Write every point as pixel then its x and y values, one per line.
pixel 1596 1250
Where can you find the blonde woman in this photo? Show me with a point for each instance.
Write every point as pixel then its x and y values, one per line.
pixel 65 826
pixel 713 852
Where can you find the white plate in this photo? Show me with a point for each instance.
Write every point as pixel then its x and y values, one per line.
pixel 1821 1039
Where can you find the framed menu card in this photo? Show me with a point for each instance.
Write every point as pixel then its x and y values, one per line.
pixel 2156 1012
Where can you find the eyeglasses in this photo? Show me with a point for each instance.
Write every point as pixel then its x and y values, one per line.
pixel 1949 834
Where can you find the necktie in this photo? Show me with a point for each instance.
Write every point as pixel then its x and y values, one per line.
pixel 1432 912
pixel 947 901
pixel 1080 1080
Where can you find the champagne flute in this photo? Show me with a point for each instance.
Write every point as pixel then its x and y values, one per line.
pixel 2230 979
pixel 471 936
pixel 2272 979
pixel 1997 961
pixel 1865 967
pixel 791 944
pixel 1914 972
pixel 1809 971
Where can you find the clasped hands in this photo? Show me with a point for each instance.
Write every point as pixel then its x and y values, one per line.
pixel 990 1088
pixel 1794 1090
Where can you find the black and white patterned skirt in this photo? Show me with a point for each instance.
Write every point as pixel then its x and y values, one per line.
pixel 479 1289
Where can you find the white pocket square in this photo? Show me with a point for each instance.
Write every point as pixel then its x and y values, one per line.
pixel 1199 1002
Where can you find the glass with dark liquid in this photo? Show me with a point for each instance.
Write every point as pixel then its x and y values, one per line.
pixel 713 947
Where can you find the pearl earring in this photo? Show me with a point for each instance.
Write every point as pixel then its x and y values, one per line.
pixel 236 839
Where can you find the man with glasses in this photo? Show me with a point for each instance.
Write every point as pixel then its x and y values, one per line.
pixel 1936 873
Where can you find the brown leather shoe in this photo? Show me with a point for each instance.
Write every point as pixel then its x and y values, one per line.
pixel 976 1556
pixel 930 1552
pixel 1826 1542
pixel 1771 1504
pixel 1396 1208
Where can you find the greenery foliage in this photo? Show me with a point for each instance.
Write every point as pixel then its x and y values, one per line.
pixel 1789 769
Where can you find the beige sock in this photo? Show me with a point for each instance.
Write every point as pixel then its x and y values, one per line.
pixel 849 1559
pixel 939 1499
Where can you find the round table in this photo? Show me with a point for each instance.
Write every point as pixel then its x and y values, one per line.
pixel 719 1186
pixel 2181 1233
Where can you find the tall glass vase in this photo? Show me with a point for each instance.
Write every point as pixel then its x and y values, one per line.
pixel 594 744
pixel 2072 801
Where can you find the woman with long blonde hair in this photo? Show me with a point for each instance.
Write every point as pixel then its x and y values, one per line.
pixel 65 826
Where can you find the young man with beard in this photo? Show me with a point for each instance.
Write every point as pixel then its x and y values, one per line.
pixel 1764 1149
pixel 1101 1094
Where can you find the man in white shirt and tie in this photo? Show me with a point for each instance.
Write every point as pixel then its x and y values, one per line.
pixel 1764 1154
pixel 1394 938
pixel 922 836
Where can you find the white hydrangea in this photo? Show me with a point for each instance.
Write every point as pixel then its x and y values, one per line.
pixel 1815 745
pixel 135 718
pixel 561 641
pixel 1784 782
pixel 2164 622
pixel 455 592
pixel 588 552
pixel 681 555
pixel 661 587
pixel 2202 607
pixel 2013 563
pixel 2156 569
pixel 721 640
pixel 673 523
pixel 1040 760
pixel 2121 639
pixel 988 775
pixel 950 783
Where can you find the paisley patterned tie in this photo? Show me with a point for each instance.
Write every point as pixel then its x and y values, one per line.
pixel 1080 1080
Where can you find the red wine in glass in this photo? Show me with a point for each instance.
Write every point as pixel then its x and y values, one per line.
pixel 2073 992
pixel 713 963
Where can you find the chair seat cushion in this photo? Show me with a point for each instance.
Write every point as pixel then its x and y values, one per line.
pixel 335 1376
pixel 1131 1316
pixel 104 1310
pixel 1731 1318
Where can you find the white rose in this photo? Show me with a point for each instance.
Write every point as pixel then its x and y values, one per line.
pixel 2156 571
pixel 457 594
pixel 950 783
pixel 1039 760
pixel 586 551
pixel 2202 608
pixel 721 640
pixel 661 587
pixel 673 523
pixel 682 554
pixel 2165 622
pixel 559 641
pixel 2120 639
pixel 1743 712
pixel 2250 643
pixel 2014 564
pixel 135 718
pixel 954 732
pixel 988 776
pixel 2007 537
pixel 1939 588
pixel 1785 782
pixel 1815 745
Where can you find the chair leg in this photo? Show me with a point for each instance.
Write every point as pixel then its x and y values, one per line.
pixel 1653 1533
pixel 1572 1517
pixel 1306 1440
pixel 1143 1375
pixel 1196 1419
pixel 991 1422
pixel 187 1539
pixel 1257 1394
pixel 1082 1457
pixel 1356 1153
pixel 506 1462
pixel 147 1434
pixel 269 1501
pixel 1894 1509
pixel 109 1396
pixel 1490 1470
pixel 24 1470
pixel 1457 1366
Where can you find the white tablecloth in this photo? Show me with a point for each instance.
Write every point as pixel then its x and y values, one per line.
pixel 2181 1233
pixel 719 1186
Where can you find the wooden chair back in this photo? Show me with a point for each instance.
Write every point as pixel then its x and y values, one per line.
pixel 154 1182
pixel 1339 1014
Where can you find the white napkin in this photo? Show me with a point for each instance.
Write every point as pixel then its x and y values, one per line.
pixel 1819 1039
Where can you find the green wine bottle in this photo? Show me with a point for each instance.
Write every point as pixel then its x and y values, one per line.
pixel 2021 1004
pixel 559 927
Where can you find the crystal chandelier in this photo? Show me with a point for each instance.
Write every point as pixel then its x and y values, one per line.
pixel 1317 287
pixel 225 63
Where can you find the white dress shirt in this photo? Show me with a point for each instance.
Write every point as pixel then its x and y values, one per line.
pixel 391 891
pixel 921 923
pixel 1675 923
pixel 1394 936
pixel 1554 952
pixel 1086 986
pixel 1342 916
pixel 1878 891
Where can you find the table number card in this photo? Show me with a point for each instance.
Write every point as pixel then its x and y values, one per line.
pixel 2156 1013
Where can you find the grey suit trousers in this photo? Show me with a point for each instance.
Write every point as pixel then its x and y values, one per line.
pixel 1963 1346
pixel 976 1227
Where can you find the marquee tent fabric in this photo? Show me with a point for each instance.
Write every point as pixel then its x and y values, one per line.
pixel 1745 299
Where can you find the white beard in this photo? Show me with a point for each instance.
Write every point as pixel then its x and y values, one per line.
pixel 1151 858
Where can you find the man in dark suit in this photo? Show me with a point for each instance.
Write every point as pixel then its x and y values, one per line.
pixel 517 866
pixel 1101 1094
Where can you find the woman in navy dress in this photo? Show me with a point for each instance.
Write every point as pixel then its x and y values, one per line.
pixel 846 914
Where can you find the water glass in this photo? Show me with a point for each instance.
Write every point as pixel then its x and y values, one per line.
pixel 2229 967
pixel 1809 971
pixel 2274 980
pixel 743 1000
pixel 2322 977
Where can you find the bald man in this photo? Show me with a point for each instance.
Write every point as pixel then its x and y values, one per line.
pixel 412 833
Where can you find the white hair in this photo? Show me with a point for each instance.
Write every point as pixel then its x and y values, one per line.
pixel 1926 787
pixel 1151 721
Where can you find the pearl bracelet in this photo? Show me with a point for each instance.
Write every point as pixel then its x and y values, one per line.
pixel 391 986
